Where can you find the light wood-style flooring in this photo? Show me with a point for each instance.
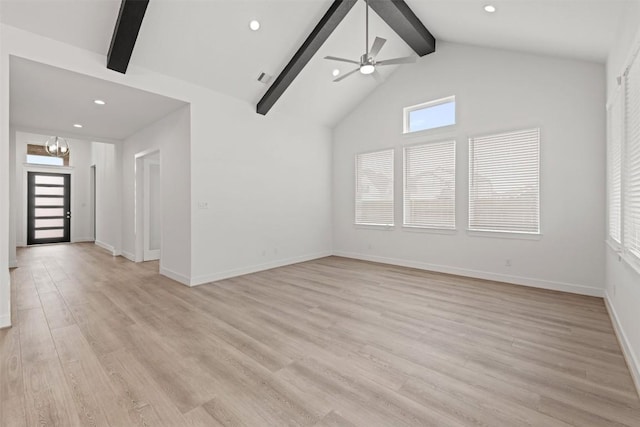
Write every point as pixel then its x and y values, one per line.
pixel 102 341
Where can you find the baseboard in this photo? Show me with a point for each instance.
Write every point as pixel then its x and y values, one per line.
pixel 476 274
pixel 83 240
pixel 5 321
pixel 201 280
pixel 175 276
pixel 632 360
pixel 107 247
pixel 128 255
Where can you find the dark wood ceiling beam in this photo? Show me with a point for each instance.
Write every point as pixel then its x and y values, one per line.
pixel 125 34
pixel 399 16
pixel 318 36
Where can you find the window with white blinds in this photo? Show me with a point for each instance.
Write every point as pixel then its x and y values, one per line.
pixel 504 182
pixel 374 188
pixel 614 167
pixel 631 185
pixel 430 185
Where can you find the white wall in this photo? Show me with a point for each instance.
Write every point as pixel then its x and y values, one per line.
pixel 495 91
pixel 79 163
pixel 5 241
pixel 623 282
pixel 267 185
pixel 108 228
pixel 171 136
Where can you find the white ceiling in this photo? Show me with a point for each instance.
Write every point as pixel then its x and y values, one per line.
pixel 209 42
pixel 580 29
pixel 50 98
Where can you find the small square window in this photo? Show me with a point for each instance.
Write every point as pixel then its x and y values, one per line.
pixel 430 115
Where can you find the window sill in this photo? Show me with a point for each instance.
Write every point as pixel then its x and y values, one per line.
pixel 429 230
pixel 614 246
pixel 504 235
pixel 624 257
pixel 374 227
pixel 448 131
pixel 47 167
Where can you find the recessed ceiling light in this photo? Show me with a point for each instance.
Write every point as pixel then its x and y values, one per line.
pixel 99 101
pixel 335 72
pixel 77 125
pixel 490 8
pixel 254 25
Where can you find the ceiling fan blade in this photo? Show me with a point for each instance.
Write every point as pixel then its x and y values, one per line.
pixel 344 76
pixel 377 76
pixel 377 45
pixel 334 58
pixel 405 60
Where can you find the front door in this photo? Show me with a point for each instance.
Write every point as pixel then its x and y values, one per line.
pixel 48 208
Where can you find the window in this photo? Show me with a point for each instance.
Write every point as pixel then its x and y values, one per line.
pixel 614 167
pixel 430 115
pixel 36 154
pixel 374 188
pixel 504 182
pixel 430 185
pixel 631 183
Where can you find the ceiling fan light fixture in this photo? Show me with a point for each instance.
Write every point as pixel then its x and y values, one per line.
pixel 335 72
pixel 367 69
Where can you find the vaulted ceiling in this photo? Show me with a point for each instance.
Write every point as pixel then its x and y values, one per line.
pixel 209 42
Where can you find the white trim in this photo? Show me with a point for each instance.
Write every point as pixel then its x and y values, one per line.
pixel 108 248
pixel 485 275
pixel 180 278
pixel 128 255
pixel 201 280
pixel 633 363
pixel 504 234
pixel 13 263
pixel 83 240
pixel 420 229
pixel 5 321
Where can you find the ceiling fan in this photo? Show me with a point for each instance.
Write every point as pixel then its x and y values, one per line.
pixel 367 64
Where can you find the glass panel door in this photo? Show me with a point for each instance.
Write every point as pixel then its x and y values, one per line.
pixel 48 208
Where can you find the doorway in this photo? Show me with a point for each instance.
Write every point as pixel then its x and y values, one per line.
pixel 48 208
pixel 151 208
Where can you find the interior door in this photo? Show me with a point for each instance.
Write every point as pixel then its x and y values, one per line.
pixel 48 208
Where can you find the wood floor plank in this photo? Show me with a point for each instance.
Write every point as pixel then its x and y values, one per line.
pixel 98 340
pixel 12 410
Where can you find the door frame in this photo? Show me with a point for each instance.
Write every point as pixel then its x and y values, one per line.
pixel 139 223
pixel 29 167
pixel 148 254
pixel 31 208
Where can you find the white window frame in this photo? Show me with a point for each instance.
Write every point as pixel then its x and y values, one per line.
pixel 632 259
pixel 406 111
pixel 612 122
pixel 356 198
pixel 405 224
pixel 506 233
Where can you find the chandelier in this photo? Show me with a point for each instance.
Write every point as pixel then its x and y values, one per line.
pixel 57 146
